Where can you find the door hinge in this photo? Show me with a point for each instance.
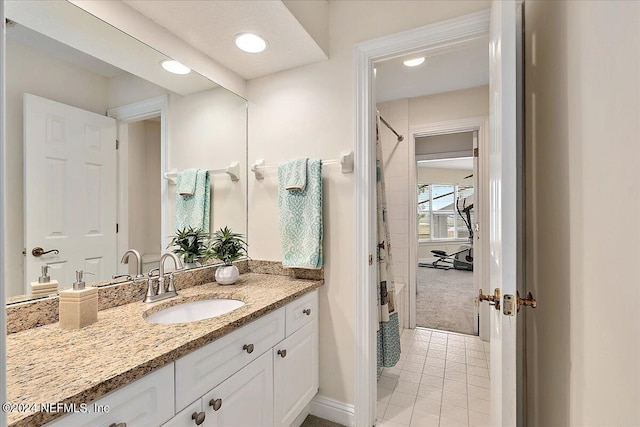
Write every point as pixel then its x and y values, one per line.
pixel 117 227
pixel 117 144
pixel 370 259
pixel 475 152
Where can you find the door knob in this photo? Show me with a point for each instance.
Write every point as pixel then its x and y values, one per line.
pixel 529 301
pixel 38 251
pixel 493 300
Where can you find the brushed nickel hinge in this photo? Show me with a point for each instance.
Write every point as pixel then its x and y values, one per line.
pixel 117 144
pixel 475 152
pixel 370 259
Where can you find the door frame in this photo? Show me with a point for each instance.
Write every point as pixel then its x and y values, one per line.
pixel 471 124
pixel 3 217
pixel 452 34
pixel 147 109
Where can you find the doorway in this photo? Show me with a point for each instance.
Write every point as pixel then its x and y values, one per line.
pixel 446 213
pixel 447 36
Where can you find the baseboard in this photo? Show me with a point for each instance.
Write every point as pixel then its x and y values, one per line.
pixel 301 417
pixel 333 410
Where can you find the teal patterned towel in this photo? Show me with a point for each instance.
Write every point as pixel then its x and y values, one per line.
pixel 295 174
pixel 194 211
pixel 186 182
pixel 301 218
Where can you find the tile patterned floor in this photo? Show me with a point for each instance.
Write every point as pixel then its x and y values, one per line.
pixel 441 380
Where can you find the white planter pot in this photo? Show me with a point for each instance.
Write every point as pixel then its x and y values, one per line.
pixel 227 274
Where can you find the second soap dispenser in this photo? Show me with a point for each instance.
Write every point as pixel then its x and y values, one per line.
pixel 79 305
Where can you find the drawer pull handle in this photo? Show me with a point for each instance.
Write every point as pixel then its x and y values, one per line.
pixel 307 311
pixel 282 353
pixel 118 425
pixel 198 417
pixel 216 404
pixel 248 348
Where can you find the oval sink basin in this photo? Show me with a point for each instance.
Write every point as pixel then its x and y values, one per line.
pixel 194 311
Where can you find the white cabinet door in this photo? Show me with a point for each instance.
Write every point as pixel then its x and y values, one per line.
pixel 245 399
pixel 295 368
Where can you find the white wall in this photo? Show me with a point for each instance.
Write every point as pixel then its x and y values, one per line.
pixel 442 107
pixel 31 71
pixel 583 121
pixel 309 111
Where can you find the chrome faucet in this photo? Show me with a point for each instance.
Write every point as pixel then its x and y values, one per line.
pixel 162 292
pixel 125 258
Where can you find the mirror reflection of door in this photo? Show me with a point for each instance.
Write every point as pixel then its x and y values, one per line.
pixel 70 205
pixel 140 152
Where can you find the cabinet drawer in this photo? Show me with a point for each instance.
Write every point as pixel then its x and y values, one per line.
pixel 301 311
pixel 145 402
pixel 202 370
pixel 184 418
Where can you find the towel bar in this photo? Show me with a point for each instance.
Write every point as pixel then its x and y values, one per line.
pixel 233 170
pixel 345 160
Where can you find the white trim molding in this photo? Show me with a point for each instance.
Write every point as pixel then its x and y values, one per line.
pixel 3 219
pixel 449 35
pixel 332 410
pixel 147 109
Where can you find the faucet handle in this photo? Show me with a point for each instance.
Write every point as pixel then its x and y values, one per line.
pixel 171 287
pixel 154 272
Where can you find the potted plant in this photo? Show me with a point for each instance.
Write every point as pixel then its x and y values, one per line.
pixel 227 246
pixel 192 245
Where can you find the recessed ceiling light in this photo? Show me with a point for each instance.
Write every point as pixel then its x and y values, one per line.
pixel 175 67
pixel 414 62
pixel 251 43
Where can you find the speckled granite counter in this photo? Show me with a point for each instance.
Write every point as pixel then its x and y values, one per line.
pixel 49 364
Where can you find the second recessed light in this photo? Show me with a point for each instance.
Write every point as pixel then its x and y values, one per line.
pixel 414 62
pixel 251 43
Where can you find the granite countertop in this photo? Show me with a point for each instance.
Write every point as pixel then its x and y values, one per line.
pixel 49 364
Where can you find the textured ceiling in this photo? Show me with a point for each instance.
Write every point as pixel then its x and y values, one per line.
pixel 460 69
pixel 210 26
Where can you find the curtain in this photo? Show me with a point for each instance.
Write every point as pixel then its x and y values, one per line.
pixel 388 340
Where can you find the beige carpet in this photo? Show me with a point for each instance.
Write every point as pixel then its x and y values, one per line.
pixel 313 421
pixel 445 300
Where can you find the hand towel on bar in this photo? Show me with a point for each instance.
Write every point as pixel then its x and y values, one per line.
pixel 194 211
pixel 186 182
pixel 301 218
pixel 295 174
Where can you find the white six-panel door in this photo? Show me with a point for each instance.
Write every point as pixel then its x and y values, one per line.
pixel 69 190
pixel 502 207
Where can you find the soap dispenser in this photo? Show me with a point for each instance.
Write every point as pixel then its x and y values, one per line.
pixel 79 305
pixel 44 285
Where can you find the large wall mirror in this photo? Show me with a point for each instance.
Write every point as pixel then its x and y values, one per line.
pixel 74 86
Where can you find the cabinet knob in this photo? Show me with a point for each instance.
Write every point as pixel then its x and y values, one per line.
pixel 282 353
pixel 215 404
pixel 118 425
pixel 198 417
pixel 248 348
pixel 307 311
